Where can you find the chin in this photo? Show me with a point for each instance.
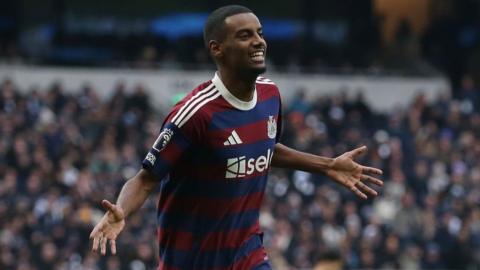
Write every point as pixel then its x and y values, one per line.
pixel 252 71
pixel 259 70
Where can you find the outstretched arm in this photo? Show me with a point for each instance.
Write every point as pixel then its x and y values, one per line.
pixel 132 196
pixel 135 191
pixel 342 169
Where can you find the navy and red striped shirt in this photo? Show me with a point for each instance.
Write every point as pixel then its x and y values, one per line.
pixel 216 151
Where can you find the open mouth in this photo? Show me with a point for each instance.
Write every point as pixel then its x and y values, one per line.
pixel 258 56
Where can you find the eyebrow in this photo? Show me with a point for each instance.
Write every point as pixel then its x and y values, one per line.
pixel 247 30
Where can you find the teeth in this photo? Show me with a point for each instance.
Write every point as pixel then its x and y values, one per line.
pixel 257 54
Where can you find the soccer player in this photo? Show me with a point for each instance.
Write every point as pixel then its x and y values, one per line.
pixel 216 146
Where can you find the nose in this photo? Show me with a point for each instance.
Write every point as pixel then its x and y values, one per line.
pixel 259 41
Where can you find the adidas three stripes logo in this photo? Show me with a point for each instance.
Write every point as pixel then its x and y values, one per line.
pixel 233 139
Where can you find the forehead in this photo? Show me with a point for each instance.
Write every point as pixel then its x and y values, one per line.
pixel 241 21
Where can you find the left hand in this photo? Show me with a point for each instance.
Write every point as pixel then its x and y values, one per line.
pixel 345 171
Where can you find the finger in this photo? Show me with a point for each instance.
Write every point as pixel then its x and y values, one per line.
pixel 95 243
pixel 366 189
pixel 93 233
pixel 112 208
pixel 366 169
pixel 113 246
pixel 358 151
pixel 372 180
pixel 358 192
pixel 103 245
pixel 108 205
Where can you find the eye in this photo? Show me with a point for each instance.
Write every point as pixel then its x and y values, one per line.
pixel 243 35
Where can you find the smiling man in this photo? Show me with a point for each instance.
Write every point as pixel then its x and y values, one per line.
pixel 216 146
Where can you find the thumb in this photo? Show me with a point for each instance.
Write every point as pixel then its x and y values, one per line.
pixel 112 208
pixel 358 151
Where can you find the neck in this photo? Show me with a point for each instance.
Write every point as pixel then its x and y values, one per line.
pixel 242 87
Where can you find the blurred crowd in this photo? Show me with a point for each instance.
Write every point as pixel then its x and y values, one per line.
pixel 348 36
pixel 428 213
pixel 62 152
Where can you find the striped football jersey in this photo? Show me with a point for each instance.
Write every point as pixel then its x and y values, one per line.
pixel 212 157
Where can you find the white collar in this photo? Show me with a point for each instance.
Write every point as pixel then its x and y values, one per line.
pixel 233 100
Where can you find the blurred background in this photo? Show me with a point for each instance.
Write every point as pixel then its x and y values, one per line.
pixel 84 87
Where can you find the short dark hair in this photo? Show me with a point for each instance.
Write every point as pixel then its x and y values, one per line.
pixel 216 21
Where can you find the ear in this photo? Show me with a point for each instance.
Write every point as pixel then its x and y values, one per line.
pixel 215 49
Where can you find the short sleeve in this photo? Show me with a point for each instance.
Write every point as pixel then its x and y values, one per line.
pixel 167 149
pixel 175 139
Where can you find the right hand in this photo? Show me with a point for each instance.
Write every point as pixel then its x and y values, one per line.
pixel 108 228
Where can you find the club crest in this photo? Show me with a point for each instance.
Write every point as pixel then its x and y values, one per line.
pixel 271 127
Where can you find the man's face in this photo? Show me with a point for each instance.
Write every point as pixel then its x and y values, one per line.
pixel 244 48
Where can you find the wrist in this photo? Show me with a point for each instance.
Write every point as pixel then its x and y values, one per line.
pixel 326 164
pixel 121 210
